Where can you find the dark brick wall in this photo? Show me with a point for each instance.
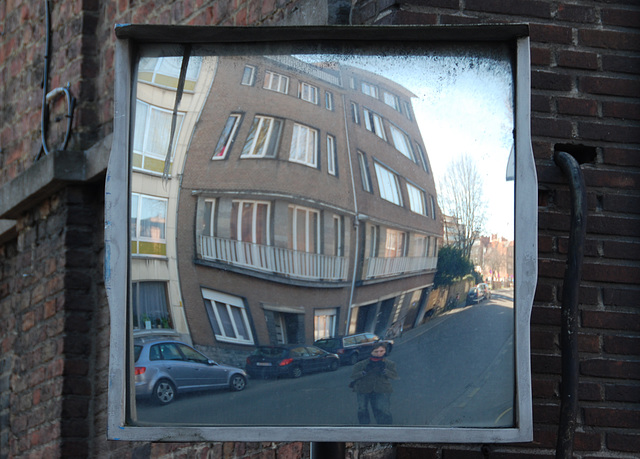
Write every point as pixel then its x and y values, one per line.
pixel 53 315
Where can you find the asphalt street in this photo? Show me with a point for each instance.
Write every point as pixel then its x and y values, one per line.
pixel 455 370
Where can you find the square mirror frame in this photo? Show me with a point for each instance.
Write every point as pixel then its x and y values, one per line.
pixel 121 424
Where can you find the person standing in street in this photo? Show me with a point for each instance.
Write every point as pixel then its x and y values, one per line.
pixel 371 380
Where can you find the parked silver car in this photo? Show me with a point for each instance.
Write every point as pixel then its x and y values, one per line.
pixel 164 368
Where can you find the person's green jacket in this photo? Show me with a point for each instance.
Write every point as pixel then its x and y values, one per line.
pixel 376 380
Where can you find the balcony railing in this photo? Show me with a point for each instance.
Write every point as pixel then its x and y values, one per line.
pixel 383 267
pixel 273 260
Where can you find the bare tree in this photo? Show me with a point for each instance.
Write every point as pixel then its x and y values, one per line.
pixel 461 197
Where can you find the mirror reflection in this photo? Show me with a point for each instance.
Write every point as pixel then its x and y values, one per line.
pixel 323 239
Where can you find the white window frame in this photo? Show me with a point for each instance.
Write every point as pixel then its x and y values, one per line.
pixel 304 145
pixel 254 219
pixel 276 82
pixel 229 302
pixel 208 203
pixel 140 198
pixel 308 92
pixel 407 110
pixel 391 100
pixel 170 66
pixel 401 142
pixel 142 145
pixel 248 75
pixel 373 122
pixel 369 89
pixel 274 127
pixel 338 247
pixel 417 202
pixel 227 137
pixel 328 100
pixel 423 157
pixel 328 325
pixel 364 172
pixel 355 113
pixel 388 184
pixel 331 155
pixel 307 227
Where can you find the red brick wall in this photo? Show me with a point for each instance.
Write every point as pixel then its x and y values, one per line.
pixel 585 99
pixel 53 315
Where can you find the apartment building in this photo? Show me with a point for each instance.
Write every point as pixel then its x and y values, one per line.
pixel 306 207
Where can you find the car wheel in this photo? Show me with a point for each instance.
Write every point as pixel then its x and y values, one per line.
pixel 296 372
pixel 237 383
pixel 353 359
pixel 333 365
pixel 164 392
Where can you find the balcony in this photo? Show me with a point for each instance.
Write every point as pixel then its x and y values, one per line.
pixel 378 267
pixel 273 260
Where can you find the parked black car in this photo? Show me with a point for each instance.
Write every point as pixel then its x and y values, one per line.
pixel 478 293
pixel 352 348
pixel 289 360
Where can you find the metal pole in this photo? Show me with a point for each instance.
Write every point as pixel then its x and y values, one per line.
pixel 570 291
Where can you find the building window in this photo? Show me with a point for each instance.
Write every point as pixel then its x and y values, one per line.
pixel 248 75
pixel 423 157
pixel 228 317
pixel 152 134
pixel 250 221
pixel 331 155
pixel 150 305
pixel 165 71
pixel 352 82
pixel 369 89
pixel 227 137
pixel 421 246
pixel 391 100
pixel 148 225
pixel 364 172
pixel 304 229
pixel 388 185
pixel 355 114
pixel 338 246
pixel 433 207
pixel 276 82
pixel 401 142
pixel 308 93
pixel 416 200
pixel 263 138
pixel 373 123
pixel 324 323
pixel 373 241
pixel 395 244
pixel 407 110
pixel 328 100
pixel 207 222
pixel 304 145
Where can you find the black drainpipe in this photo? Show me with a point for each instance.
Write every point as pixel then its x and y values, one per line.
pixel 570 292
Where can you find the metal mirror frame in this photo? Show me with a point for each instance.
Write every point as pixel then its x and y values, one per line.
pixel 117 257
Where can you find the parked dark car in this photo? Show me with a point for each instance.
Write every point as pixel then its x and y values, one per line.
pixel 165 368
pixel 478 293
pixel 289 360
pixel 352 348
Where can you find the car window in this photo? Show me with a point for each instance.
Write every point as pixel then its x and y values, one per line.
pixel 315 351
pixel 330 343
pixel 269 352
pixel 169 351
pixel 360 339
pixel 192 354
pixel 349 341
pixel 137 349
pixel 154 352
pixel 298 352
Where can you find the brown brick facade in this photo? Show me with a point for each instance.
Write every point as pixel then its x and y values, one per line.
pixel 53 315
